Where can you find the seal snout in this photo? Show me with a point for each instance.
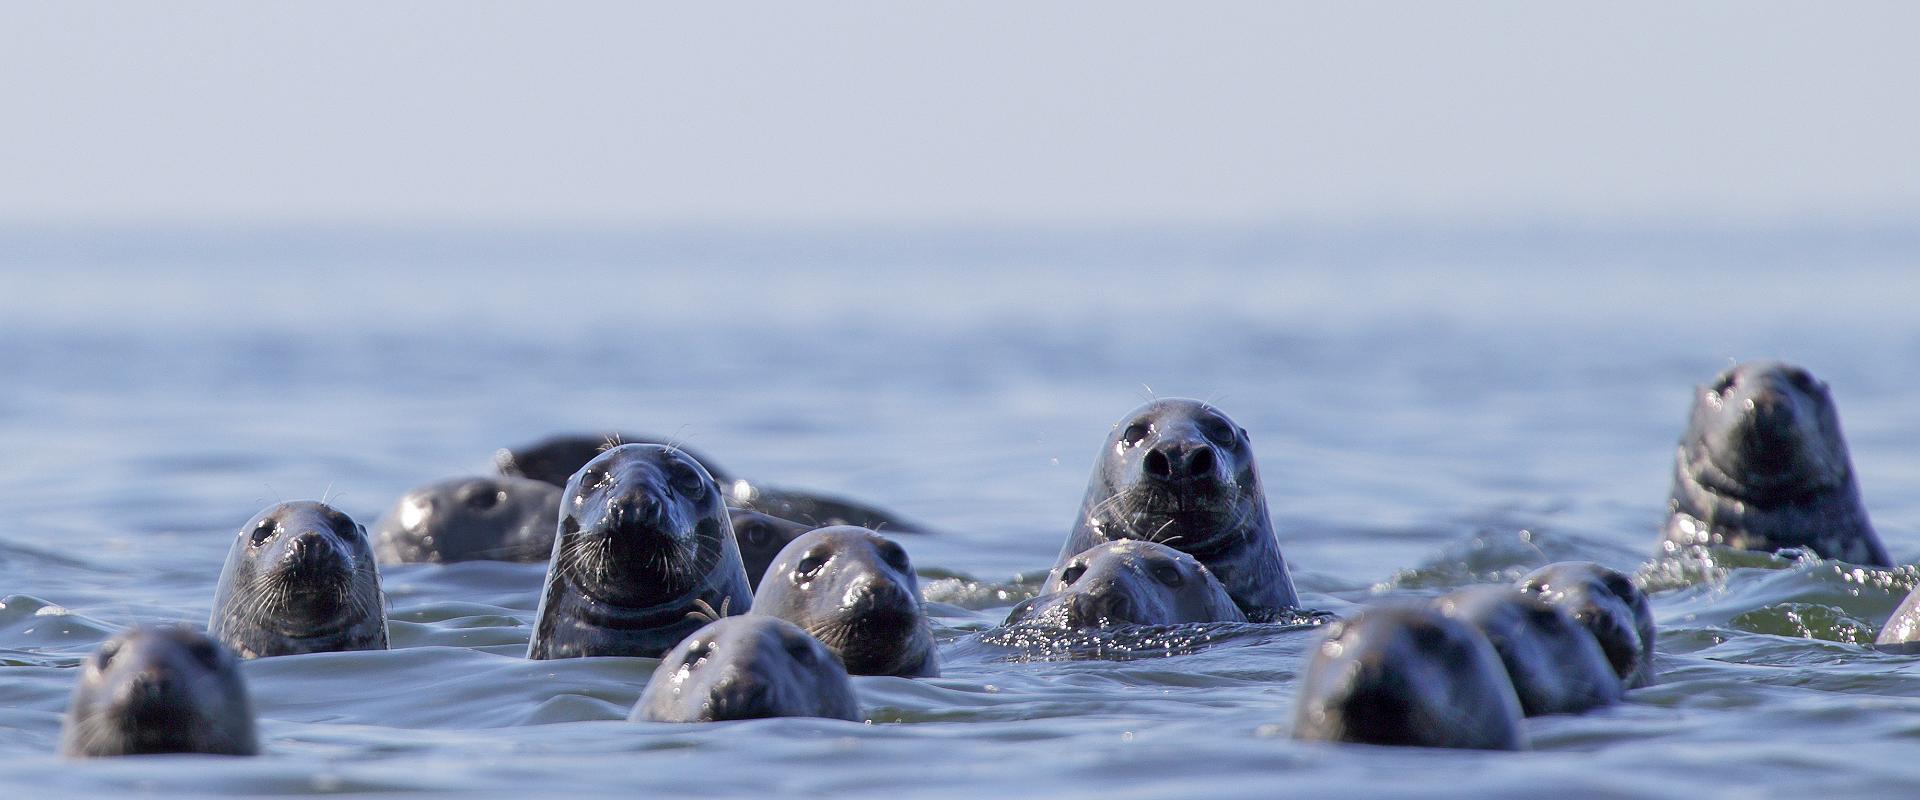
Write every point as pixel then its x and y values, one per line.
pixel 1180 462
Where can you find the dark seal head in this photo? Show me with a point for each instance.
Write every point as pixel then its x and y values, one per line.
pixel 1763 466
pixel 1609 605
pixel 761 538
pixel 1129 582
pixel 470 519
pixel 300 578
pixel 159 690
pixel 1404 674
pixel 749 667
pixel 1180 473
pixel 643 556
pixel 855 591
pixel 1556 665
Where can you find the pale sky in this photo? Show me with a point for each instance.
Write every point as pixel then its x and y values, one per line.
pixel 626 114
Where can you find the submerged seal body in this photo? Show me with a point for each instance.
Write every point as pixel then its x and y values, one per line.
pixel 555 459
pixel 749 667
pixel 761 538
pixel 1609 605
pixel 1180 473
pixel 1129 582
pixel 470 519
pixel 644 554
pixel 855 591
pixel 1556 665
pixel 1763 466
pixel 159 690
pixel 1405 674
pixel 300 578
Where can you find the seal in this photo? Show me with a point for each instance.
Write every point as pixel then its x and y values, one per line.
pixel 855 591
pixel 761 538
pixel 1129 582
pixel 555 459
pixel 1763 466
pixel 1609 605
pixel 154 690
pixel 644 554
pixel 1180 473
pixel 300 578
pixel 469 519
pixel 1556 665
pixel 1901 634
pixel 1402 673
pixel 749 667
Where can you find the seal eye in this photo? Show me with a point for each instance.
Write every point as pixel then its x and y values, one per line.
pixel 685 480
pixel 204 652
pixel 895 556
pixel 1135 433
pixel 482 500
pixel 1217 431
pixel 1168 574
pixel 808 567
pixel 262 533
pixel 106 654
pixel 1072 573
pixel 592 477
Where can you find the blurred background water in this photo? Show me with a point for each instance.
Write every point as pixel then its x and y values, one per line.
pixel 1430 407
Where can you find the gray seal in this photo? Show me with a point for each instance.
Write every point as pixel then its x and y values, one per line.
pixel 1556 665
pixel 1402 673
pixel 469 519
pixel 761 538
pixel 555 459
pixel 300 578
pixel 644 554
pixel 1901 634
pixel 1180 473
pixel 1128 582
pixel 1763 466
pixel 1609 605
pixel 749 667
pixel 154 690
pixel 855 591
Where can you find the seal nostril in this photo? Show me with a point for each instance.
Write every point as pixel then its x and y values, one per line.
pixel 1201 463
pixel 1156 464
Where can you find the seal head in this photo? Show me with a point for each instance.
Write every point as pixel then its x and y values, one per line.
pixel 159 690
pixel 1764 466
pixel 1405 674
pixel 1607 603
pixel 300 578
pixel 1129 582
pixel 643 556
pixel 470 519
pixel 1556 665
pixel 761 538
pixel 748 667
pixel 1180 473
pixel 855 591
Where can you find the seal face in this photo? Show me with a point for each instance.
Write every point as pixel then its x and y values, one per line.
pixel 1129 582
pixel 1556 665
pixel 748 667
pixel 1763 466
pixel 555 459
pixel 761 538
pixel 643 556
pixel 1405 674
pixel 855 591
pixel 159 690
pixel 1180 473
pixel 1609 605
pixel 300 578
pixel 470 519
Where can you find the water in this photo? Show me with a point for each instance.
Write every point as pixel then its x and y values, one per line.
pixel 1430 408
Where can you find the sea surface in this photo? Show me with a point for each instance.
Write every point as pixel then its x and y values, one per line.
pixel 1430 407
